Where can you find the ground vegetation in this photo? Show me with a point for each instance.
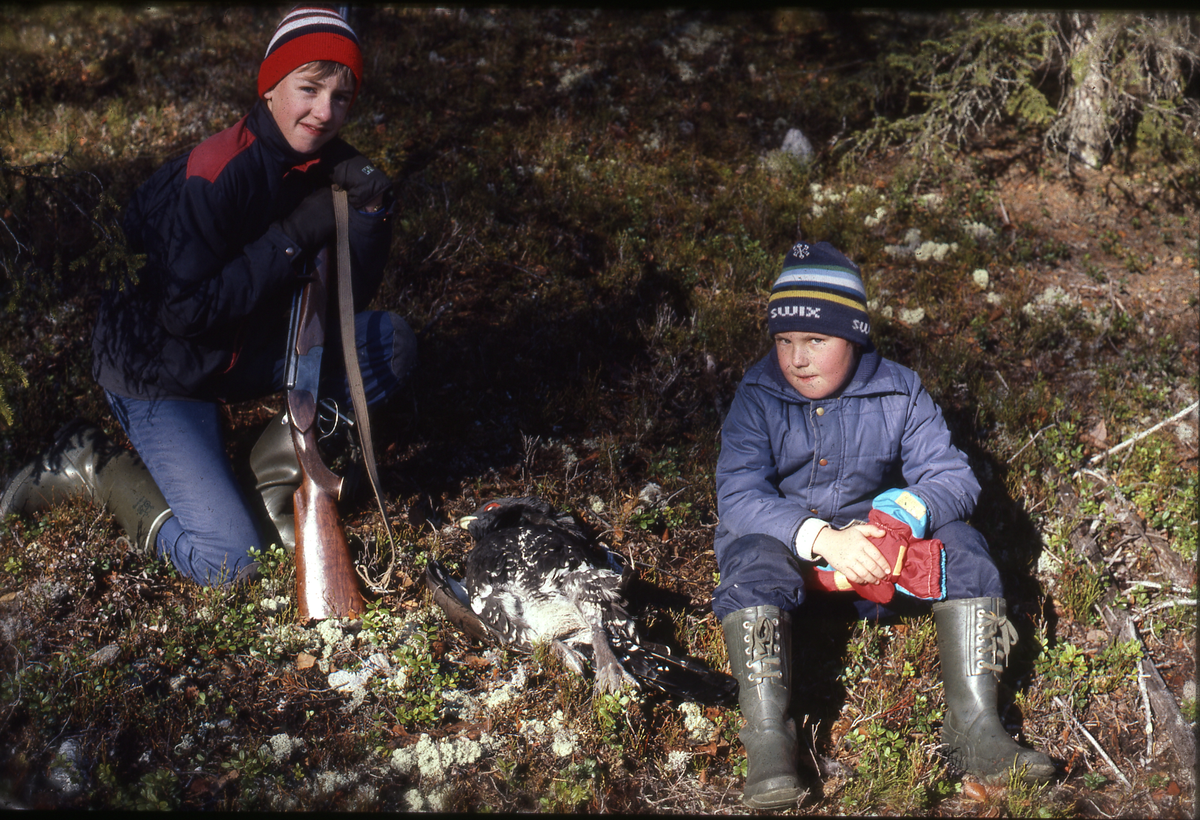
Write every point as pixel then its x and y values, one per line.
pixel 592 206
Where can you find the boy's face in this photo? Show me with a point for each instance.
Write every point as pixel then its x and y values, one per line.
pixel 818 366
pixel 309 111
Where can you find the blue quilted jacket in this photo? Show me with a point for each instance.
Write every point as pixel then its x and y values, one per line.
pixel 785 458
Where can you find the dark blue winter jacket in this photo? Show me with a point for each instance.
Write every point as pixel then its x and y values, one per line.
pixel 785 459
pixel 218 278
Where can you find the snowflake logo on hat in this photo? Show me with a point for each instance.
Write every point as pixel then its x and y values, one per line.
pixel 800 250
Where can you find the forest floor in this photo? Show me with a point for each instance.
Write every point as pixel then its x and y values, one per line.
pixel 592 209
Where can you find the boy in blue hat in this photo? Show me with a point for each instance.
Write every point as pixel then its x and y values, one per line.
pixel 836 463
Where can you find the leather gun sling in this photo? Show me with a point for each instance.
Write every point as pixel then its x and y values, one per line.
pixel 345 291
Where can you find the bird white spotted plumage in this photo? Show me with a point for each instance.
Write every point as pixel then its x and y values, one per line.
pixel 534 577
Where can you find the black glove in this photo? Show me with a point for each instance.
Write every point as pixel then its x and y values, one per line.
pixel 310 224
pixel 362 181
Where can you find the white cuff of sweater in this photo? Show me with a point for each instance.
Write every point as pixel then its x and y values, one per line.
pixel 806 536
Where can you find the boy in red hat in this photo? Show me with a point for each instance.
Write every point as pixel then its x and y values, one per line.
pixel 837 472
pixel 224 229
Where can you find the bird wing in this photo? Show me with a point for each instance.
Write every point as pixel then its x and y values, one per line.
pixel 452 597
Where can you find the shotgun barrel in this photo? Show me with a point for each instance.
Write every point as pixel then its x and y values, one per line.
pixel 326 582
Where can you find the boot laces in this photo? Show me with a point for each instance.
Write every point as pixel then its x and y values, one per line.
pixel 763 650
pixel 996 637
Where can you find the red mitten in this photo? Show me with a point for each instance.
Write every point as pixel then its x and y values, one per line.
pixel 917 566
pixel 823 576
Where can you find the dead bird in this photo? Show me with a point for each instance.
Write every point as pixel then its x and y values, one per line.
pixel 534 577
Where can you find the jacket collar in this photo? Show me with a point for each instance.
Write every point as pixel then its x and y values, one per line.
pixel 263 125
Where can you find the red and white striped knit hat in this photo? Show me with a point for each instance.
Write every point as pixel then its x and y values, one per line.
pixel 306 34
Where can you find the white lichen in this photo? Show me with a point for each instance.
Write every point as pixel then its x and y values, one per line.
pixel 281 746
pixel 330 782
pixel 434 758
pixel 507 691
pixel 977 230
pixel 935 251
pixel 1049 299
pixel 562 742
pixel 354 682
pixel 980 277
pixel 332 636
pixel 575 77
pixel 274 604
pixel 435 801
pixel 677 762
pixel 912 238
pixel 699 728
pixel 873 220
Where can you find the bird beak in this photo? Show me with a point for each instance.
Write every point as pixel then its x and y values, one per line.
pixel 465 521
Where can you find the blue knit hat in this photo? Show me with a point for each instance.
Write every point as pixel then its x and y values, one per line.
pixel 819 291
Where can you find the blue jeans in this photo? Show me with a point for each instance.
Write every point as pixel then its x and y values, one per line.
pixel 213 528
pixel 758 570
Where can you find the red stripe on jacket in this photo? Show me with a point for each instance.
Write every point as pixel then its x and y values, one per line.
pixel 209 158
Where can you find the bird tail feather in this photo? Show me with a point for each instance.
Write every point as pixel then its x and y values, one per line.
pixel 680 676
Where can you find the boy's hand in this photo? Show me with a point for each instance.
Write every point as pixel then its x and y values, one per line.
pixel 364 183
pixel 310 224
pixel 851 552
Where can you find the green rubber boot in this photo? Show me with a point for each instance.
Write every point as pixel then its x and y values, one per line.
pixel 277 476
pixel 83 463
pixel 974 637
pixel 758 640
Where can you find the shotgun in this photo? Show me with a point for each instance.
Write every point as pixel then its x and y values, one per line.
pixel 326 582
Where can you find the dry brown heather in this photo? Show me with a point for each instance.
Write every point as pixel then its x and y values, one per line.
pixel 591 207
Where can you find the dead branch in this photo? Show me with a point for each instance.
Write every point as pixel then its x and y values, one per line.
pixel 1121 625
pixel 1172 564
pixel 1165 605
pixel 1129 442
pixel 1075 724
pixel 1122 511
pixel 1032 439
pixel 1162 702
pixel 1149 731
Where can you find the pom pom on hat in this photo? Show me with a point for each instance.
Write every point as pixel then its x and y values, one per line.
pixel 819 291
pixel 306 34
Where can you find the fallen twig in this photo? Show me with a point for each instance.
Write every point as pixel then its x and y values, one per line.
pixel 1120 623
pixel 1164 605
pixel 1156 585
pixel 1134 439
pixel 1141 680
pixel 1032 439
pixel 1095 744
pixel 1179 734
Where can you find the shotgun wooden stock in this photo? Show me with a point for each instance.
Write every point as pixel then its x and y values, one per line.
pixel 326 583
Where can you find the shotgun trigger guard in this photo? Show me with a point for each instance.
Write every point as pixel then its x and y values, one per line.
pixel 329 418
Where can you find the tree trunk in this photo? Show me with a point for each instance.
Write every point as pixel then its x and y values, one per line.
pixel 1082 128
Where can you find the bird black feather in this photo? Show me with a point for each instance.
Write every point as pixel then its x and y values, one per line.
pixel 534 577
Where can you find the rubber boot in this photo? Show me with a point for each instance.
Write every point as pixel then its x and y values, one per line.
pixel 83 463
pixel 277 476
pixel 974 637
pixel 758 640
